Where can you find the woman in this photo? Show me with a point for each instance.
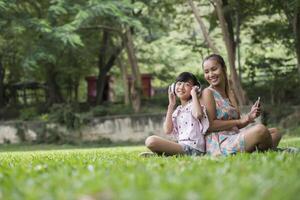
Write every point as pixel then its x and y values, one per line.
pixel 224 136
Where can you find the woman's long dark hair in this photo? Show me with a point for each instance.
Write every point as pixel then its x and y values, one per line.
pixel 228 91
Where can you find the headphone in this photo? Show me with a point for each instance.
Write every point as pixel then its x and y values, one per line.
pixel 173 85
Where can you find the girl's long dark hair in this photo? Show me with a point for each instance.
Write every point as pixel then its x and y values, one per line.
pixel 187 76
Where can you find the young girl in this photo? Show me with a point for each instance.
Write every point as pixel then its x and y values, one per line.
pixel 188 122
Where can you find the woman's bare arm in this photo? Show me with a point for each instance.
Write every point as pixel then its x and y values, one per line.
pixel 215 124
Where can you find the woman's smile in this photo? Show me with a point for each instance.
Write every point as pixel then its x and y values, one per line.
pixel 214 80
pixel 212 72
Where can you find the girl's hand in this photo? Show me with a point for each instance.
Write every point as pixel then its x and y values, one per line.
pixel 172 97
pixel 195 91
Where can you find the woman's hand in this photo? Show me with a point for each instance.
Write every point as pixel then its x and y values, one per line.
pixel 255 111
pixel 172 97
pixel 251 116
pixel 245 120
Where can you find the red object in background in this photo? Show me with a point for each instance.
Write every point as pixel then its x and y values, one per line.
pixel 92 88
pixel 146 84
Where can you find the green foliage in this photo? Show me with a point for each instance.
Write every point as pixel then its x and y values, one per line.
pixel 119 173
pixel 113 109
pixel 65 115
pixel 274 79
pixel 2 6
pixel 8 113
pixel 58 42
pixel 294 131
pixel 274 114
pixel 28 113
pixel 116 11
pixel 44 117
pixel 57 9
pixel 277 31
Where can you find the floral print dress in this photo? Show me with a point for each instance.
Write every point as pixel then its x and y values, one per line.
pixel 224 142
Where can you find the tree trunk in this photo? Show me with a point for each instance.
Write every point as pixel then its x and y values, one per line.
pixel 76 87
pixel 69 88
pixel 2 88
pixel 238 40
pixel 104 67
pixel 102 77
pixel 125 81
pixel 53 89
pixel 293 17
pixel 101 81
pixel 101 71
pixel 208 40
pixel 296 29
pixel 228 38
pixel 136 88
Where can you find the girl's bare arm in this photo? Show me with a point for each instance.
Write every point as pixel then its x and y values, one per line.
pixel 168 124
pixel 196 105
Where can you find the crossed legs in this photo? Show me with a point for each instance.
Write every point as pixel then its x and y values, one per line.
pixel 259 136
pixel 276 136
pixel 162 146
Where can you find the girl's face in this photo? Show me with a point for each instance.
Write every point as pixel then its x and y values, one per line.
pixel 213 72
pixel 183 90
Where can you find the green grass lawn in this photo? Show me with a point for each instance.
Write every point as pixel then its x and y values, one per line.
pixel 67 172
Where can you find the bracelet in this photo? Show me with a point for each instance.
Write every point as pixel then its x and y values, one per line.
pixel 249 119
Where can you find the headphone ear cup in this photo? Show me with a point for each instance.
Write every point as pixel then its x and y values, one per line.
pixel 200 87
pixel 199 84
pixel 172 88
pixel 174 85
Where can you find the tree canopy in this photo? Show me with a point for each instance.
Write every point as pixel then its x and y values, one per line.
pixel 60 42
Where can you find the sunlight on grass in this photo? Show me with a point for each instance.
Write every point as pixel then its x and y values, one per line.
pixel 119 173
pixel 290 141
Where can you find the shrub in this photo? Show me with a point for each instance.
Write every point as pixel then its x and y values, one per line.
pixel 64 114
pixel 28 113
pixel 111 109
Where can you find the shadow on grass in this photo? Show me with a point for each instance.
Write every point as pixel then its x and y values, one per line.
pixel 286 142
pixel 69 146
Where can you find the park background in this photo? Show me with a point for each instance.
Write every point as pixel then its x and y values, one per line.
pixel 70 70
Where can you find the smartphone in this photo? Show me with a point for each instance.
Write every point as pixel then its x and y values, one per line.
pixel 258 102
